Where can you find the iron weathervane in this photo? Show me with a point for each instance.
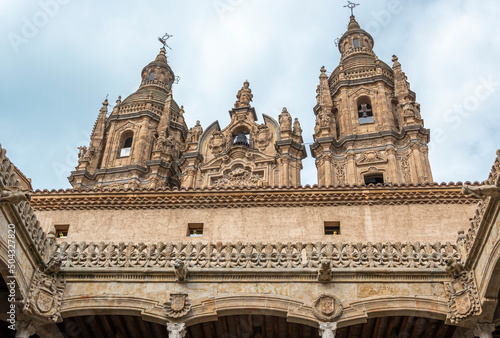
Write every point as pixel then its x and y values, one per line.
pixel 164 39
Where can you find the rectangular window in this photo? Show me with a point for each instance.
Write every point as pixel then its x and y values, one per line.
pixel 356 43
pixel 332 228
pixel 61 230
pixel 195 229
pixel 125 152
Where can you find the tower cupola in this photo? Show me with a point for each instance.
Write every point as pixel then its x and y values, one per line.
pixel 356 43
pixel 158 73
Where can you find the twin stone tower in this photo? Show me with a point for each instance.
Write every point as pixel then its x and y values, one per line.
pixel 368 130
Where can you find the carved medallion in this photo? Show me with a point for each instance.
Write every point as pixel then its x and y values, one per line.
pixel 217 143
pixel 178 306
pixel 263 137
pixel 45 297
pixel 327 308
pixel 239 177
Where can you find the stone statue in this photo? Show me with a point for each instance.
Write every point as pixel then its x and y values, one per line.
pixel 327 330
pixel 13 195
pixel 161 142
pixel 297 130
pixel 244 96
pixel 482 192
pixel 195 133
pixel 285 120
pixel 82 151
pixel 180 271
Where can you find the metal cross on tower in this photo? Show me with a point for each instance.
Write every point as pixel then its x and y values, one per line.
pixel 351 6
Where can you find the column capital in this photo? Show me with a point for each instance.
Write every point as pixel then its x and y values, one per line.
pixel 176 330
pixel 327 330
pixel 484 330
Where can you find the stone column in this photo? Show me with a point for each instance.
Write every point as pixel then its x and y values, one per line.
pixel 392 165
pixel 25 329
pixel 419 175
pixel 328 169
pixel 351 169
pixel 484 330
pixel 176 330
pixel 327 330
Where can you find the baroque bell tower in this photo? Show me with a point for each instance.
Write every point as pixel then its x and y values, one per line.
pixel 368 124
pixel 138 144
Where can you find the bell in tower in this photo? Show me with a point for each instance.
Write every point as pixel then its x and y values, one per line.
pixel 368 124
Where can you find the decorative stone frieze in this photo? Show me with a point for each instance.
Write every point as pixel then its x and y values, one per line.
pixel 256 255
pixel 178 306
pixel 327 308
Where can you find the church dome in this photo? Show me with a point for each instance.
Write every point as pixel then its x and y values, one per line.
pixel 356 45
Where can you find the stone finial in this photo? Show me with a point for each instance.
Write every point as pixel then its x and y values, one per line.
pixel 104 107
pixel 297 130
pixel 119 101
pixel 244 96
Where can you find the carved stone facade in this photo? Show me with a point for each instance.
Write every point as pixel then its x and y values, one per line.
pixel 368 125
pixel 268 257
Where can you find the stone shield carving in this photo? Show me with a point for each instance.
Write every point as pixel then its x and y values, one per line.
pixel 45 297
pixel 463 299
pixel 217 143
pixel 327 308
pixel 178 306
pixel 263 137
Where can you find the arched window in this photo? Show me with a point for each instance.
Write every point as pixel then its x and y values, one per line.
pixel 355 43
pixel 126 145
pixel 365 112
pixel 374 179
pixel 151 76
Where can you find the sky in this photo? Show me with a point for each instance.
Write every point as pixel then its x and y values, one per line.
pixel 61 58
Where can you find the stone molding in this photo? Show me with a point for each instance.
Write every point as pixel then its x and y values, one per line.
pixel 114 199
pixel 255 255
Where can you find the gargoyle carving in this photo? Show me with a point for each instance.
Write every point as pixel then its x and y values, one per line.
pixel 13 195
pixel 325 271
pixel 482 192
pixel 180 271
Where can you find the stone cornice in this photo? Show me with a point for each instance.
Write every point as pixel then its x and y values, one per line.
pixel 113 199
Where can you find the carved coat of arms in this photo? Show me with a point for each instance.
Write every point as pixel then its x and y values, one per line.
pixel 327 308
pixel 45 297
pixel 463 299
pixel 178 306
pixel 217 143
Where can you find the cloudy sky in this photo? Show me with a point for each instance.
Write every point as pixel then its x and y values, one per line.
pixel 60 58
